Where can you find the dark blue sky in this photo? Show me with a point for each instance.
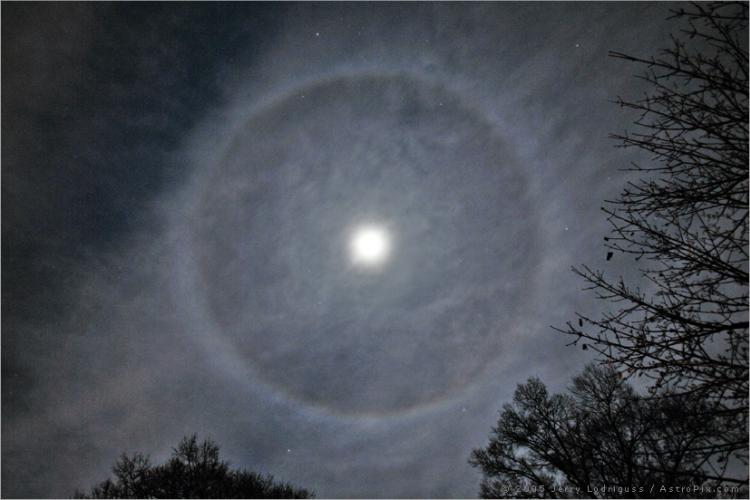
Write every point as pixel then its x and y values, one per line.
pixel 179 185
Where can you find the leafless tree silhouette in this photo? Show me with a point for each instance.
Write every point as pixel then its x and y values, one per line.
pixel 684 327
pixel 602 440
pixel 193 471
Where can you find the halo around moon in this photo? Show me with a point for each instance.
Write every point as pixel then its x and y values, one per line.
pixel 302 179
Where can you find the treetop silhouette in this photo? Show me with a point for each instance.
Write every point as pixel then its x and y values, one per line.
pixel 684 326
pixel 194 471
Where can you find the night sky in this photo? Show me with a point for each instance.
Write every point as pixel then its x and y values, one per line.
pixel 182 190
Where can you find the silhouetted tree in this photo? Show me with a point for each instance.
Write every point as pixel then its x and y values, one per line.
pixel 193 471
pixel 601 440
pixel 685 325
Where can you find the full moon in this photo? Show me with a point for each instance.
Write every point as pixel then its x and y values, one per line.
pixel 370 246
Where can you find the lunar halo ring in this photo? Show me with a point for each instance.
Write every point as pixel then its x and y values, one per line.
pixel 207 325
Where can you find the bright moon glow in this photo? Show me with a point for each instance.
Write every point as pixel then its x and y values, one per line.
pixel 370 246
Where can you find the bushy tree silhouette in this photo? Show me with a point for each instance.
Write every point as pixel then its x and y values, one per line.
pixel 684 326
pixel 600 440
pixel 193 471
